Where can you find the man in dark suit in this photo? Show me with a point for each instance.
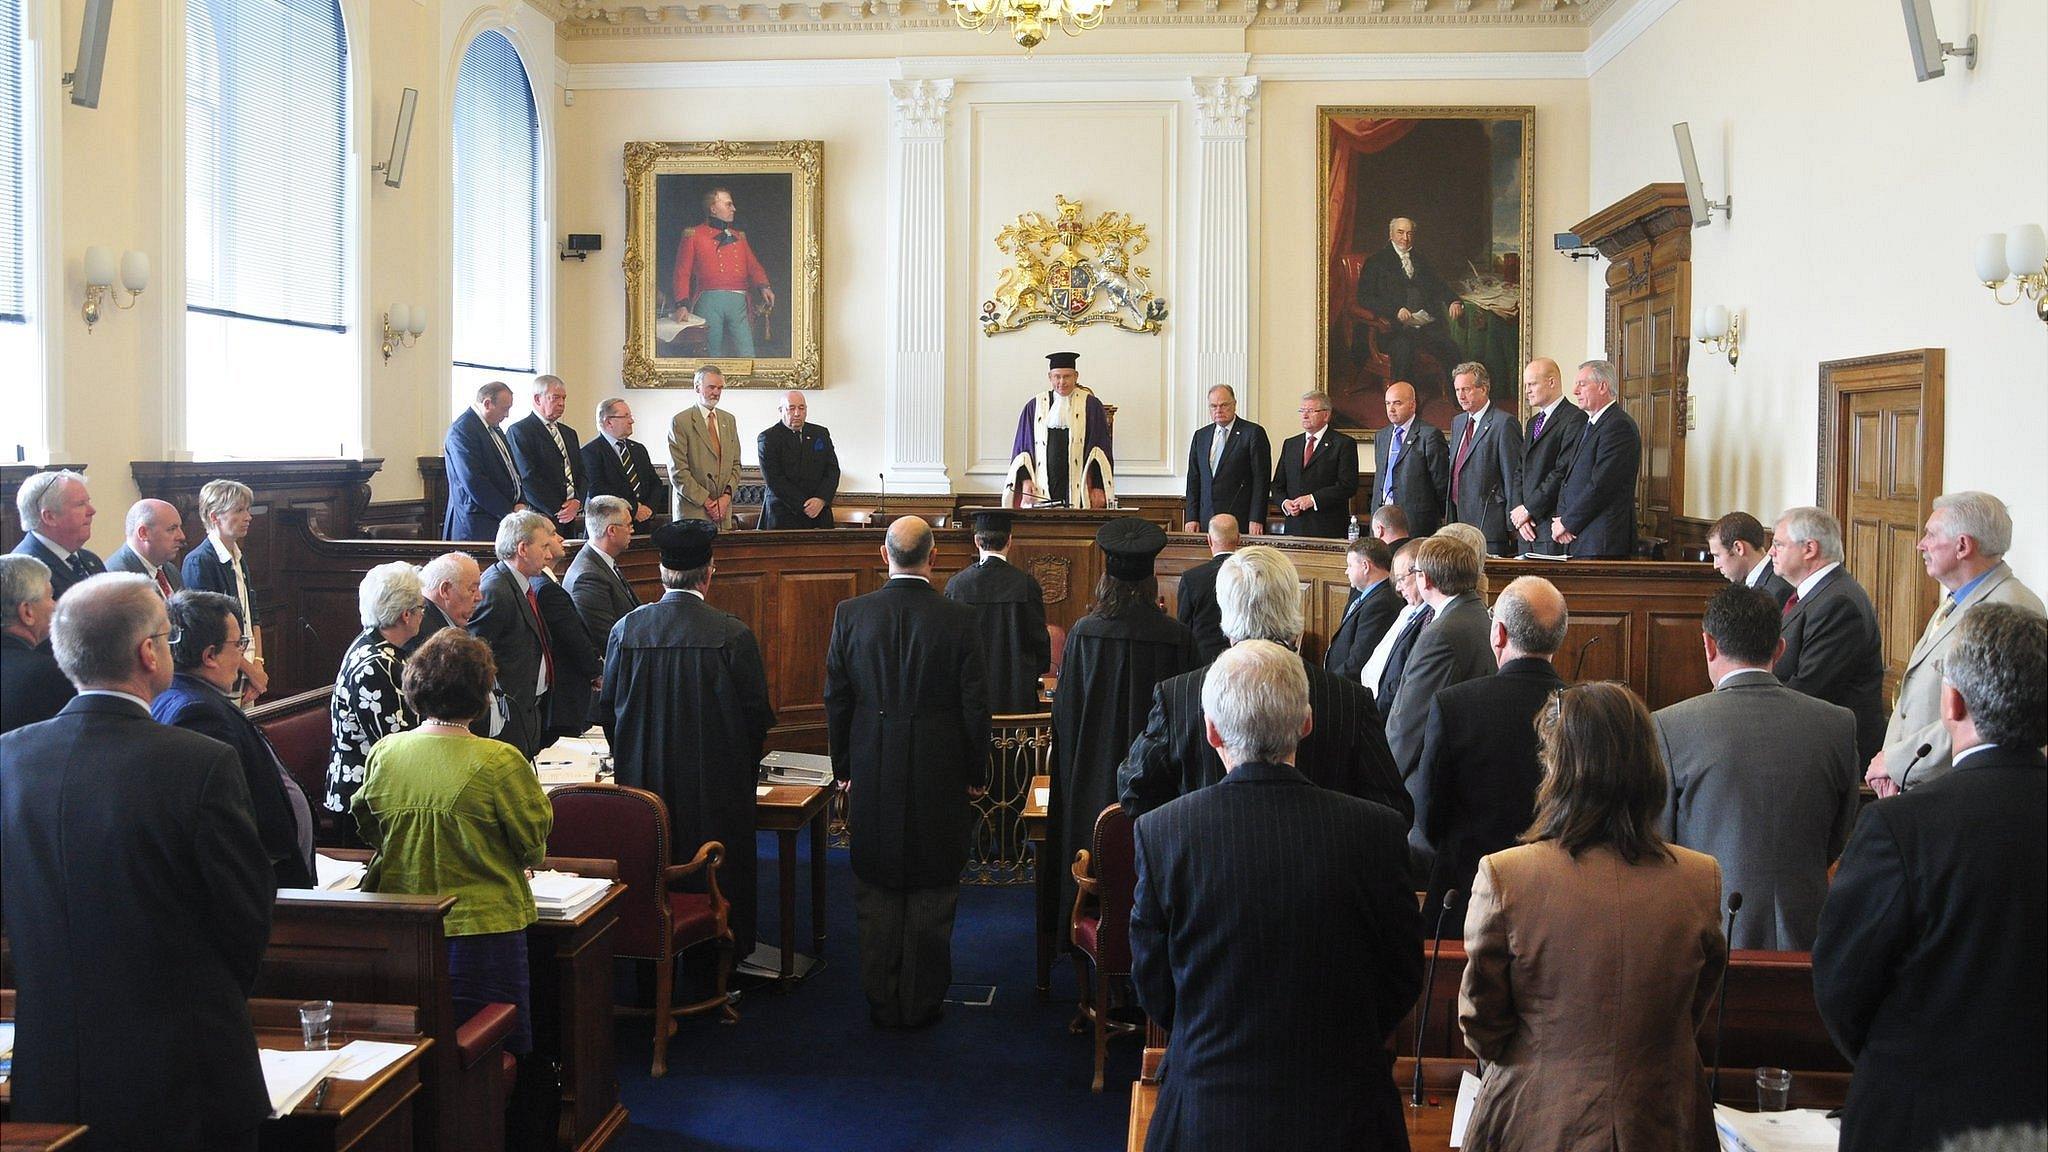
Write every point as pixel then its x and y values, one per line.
pixel 1929 957
pixel 1281 1003
pixel 686 698
pixel 1555 425
pixel 1486 459
pixel 599 589
pixel 615 464
pixel 800 468
pixel 138 897
pixel 453 586
pixel 1596 505
pixel 203 698
pixel 1399 287
pixel 1475 782
pixel 1259 590
pixel 1452 648
pixel 549 456
pixel 509 620
pixel 1317 473
pixel 1010 608
pixel 906 710
pixel 483 478
pixel 155 534
pixel 1763 778
pixel 1230 465
pixel 1195 602
pixel 1368 566
pixel 1389 526
pixel 579 661
pixel 1741 551
pixel 32 687
pixel 1381 675
pixel 1413 466
pixel 56 519
pixel 1833 649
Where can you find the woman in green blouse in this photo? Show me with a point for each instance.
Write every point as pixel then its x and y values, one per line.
pixel 452 814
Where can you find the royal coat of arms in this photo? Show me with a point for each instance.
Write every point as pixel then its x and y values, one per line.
pixel 1073 272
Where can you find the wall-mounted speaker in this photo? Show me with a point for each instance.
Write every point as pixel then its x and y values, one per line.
pixel 1696 192
pixel 401 137
pixel 84 78
pixel 1929 49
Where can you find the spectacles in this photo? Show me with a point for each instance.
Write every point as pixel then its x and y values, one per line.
pixel 171 637
pixel 243 643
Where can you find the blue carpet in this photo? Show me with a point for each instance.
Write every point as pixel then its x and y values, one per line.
pixel 803 1069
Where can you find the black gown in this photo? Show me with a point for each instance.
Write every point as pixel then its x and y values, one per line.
pixel 1105 694
pixel 686 700
pixel 1010 607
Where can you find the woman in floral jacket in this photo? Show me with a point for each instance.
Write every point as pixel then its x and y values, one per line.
pixel 367 706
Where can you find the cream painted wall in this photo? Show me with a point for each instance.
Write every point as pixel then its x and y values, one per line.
pixel 1858 197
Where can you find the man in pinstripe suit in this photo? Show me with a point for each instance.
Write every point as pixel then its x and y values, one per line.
pixel 1280 1005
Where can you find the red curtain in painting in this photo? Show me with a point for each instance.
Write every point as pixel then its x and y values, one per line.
pixel 1349 140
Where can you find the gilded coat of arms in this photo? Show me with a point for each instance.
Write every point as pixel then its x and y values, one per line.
pixel 1073 272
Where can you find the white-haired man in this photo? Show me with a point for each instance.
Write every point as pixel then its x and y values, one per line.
pixel 509 620
pixel 549 457
pixel 453 585
pixel 1833 648
pixel 1280 1006
pixel 32 687
pixel 56 519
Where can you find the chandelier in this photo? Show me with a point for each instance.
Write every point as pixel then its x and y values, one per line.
pixel 1028 18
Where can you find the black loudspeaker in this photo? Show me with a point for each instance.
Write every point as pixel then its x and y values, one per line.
pixel 92 54
pixel 580 245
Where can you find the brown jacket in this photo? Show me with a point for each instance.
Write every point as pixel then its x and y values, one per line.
pixel 1586 983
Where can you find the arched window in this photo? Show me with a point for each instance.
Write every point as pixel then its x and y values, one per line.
pixel 496 325
pixel 270 366
pixel 21 377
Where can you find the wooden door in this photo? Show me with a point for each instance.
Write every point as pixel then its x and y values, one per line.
pixel 1647 239
pixel 1880 470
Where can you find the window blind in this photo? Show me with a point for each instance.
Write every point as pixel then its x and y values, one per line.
pixel 14 253
pixel 497 209
pixel 266 172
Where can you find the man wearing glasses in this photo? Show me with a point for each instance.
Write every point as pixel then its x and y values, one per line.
pixel 129 848
pixel 208 648
pixel 1317 473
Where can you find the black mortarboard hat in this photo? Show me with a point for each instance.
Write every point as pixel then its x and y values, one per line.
pixel 993 521
pixel 1130 545
pixel 1057 360
pixel 685 544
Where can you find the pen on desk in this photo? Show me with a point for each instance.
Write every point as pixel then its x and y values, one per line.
pixel 320 1092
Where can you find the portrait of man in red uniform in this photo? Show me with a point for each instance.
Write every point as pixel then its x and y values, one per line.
pixel 719 280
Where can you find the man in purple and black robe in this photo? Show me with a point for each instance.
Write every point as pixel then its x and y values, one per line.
pixel 1052 466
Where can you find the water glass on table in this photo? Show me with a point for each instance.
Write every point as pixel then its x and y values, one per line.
pixel 1773 1090
pixel 314 1017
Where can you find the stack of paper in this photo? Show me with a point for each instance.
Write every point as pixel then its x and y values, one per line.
pixel 805 768
pixel 290 1075
pixel 362 1059
pixel 332 875
pixel 1799 1130
pixel 559 894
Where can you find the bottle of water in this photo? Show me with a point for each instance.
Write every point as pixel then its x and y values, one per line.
pixel 1353 534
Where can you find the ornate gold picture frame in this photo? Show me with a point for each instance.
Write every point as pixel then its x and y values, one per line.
pixel 724 261
pixel 1465 180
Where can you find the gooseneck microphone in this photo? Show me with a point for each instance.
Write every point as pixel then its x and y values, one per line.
pixel 1914 763
pixel 1579 661
pixel 1721 1001
pixel 882 501
pixel 1436 948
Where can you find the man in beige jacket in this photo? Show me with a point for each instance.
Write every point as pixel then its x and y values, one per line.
pixel 1964 550
pixel 704 455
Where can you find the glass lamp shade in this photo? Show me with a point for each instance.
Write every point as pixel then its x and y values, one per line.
pixel 1991 267
pixel 398 316
pixel 134 270
pixel 2026 250
pixel 416 321
pixel 99 266
pixel 1710 322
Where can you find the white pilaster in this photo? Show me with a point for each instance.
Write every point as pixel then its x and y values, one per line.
pixel 1223 275
pixel 914 449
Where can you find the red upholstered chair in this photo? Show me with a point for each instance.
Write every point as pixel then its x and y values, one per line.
pixel 658 920
pixel 1107 877
pixel 1058 636
pixel 301 733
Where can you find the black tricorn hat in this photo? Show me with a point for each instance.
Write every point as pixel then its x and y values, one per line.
pixel 1129 545
pixel 685 544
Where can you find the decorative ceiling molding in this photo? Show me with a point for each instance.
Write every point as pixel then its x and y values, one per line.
pixel 605 19
pixel 1631 23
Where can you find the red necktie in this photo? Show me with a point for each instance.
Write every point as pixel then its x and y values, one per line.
pixel 163 583
pixel 1791 602
pixel 1464 451
pixel 547 651
pixel 1308 450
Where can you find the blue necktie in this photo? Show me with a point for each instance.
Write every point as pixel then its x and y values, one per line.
pixel 1394 460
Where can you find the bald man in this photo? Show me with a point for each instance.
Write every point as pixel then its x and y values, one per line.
pixel 1555 425
pixel 800 468
pixel 1412 463
pixel 155 534
pixel 906 711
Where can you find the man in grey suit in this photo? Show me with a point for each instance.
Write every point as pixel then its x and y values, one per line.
pixel 155 535
pixel 1412 465
pixel 1452 648
pixel 1763 778
pixel 594 581
pixel 509 620
pixel 704 455
pixel 1964 550
pixel 1486 460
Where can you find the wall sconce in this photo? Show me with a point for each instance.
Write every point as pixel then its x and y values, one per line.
pixel 402 327
pixel 2024 255
pixel 1720 330
pixel 99 280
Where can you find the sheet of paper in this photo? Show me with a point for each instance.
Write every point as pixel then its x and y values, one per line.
pixel 762 790
pixel 288 1075
pixel 337 875
pixel 1468 1096
pixel 1799 1130
pixel 1041 797
pixel 362 1059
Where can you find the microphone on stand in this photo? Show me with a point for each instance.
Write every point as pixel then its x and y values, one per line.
pixel 1721 1001
pixel 882 501
pixel 1914 763
pixel 1579 662
pixel 1436 948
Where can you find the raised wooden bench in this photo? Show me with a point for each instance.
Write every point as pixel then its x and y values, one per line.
pixel 374 949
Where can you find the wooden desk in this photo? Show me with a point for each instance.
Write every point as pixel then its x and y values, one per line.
pixel 786 810
pixel 1042 908
pixel 39 1137
pixel 374 1115
pixel 569 966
